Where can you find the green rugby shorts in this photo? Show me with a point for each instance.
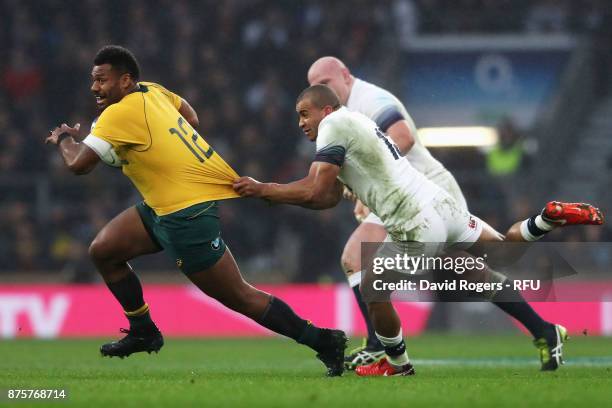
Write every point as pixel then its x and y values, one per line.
pixel 191 236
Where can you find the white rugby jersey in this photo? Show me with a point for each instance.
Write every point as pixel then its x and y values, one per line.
pixel 372 167
pixel 385 109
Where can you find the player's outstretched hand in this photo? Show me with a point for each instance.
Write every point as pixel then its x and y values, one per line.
pixel 54 134
pixel 248 187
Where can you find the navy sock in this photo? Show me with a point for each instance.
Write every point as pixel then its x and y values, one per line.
pixel 281 319
pixel 128 291
pixel 533 228
pixel 142 323
pixel 373 341
pixel 397 350
pixel 512 302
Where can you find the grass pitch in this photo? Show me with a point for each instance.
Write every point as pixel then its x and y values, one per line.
pixel 451 371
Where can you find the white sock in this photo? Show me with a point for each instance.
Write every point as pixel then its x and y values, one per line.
pixel 396 361
pixel 528 236
pixel 544 225
pixel 531 234
pixel 354 279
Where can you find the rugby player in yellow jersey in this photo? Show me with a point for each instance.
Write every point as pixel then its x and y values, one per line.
pixel 181 178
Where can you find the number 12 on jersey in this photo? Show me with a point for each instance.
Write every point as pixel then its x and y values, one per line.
pixel 195 136
pixel 395 151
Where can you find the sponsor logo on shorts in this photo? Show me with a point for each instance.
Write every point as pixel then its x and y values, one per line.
pixel 179 262
pixel 216 244
pixel 472 223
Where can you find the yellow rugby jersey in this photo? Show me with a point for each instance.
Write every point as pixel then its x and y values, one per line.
pixel 167 160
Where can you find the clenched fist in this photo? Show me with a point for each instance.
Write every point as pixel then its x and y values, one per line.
pixel 248 187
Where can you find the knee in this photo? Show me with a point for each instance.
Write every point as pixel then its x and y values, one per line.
pixel 490 234
pixel 101 250
pixel 350 261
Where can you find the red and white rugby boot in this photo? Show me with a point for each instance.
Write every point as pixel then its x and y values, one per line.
pixel 563 214
pixel 385 369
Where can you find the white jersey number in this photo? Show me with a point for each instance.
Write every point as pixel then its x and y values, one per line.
pixel 390 145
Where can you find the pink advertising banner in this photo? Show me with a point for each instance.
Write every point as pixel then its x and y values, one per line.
pixel 50 311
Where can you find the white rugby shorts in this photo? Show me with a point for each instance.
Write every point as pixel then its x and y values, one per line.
pixel 445 181
pixel 442 225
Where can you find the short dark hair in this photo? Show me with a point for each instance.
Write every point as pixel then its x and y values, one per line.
pixel 321 96
pixel 120 58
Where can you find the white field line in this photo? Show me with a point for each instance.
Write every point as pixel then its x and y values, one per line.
pixel 604 361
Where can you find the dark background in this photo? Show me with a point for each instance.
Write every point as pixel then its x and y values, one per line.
pixel 241 64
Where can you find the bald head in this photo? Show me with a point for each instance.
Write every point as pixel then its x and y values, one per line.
pixel 326 66
pixel 332 72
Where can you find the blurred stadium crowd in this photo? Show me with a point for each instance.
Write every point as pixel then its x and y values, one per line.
pixel 240 63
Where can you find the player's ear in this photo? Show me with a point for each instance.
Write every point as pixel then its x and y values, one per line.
pixel 346 75
pixel 125 80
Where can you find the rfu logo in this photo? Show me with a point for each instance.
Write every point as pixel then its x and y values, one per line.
pixel 472 223
pixel 216 244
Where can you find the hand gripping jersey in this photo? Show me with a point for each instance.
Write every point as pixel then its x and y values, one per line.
pixel 170 164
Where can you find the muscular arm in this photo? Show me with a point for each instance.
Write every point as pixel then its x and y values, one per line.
pixel 189 113
pixel 78 157
pixel 401 135
pixel 320 189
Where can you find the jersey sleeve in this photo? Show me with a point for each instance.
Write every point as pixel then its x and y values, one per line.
pixel 331 145
pixel 100 146
pixel 119 127
pixel 387 116
pixel 382 107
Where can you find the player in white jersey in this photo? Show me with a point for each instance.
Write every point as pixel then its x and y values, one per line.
pixel 393 119
pixel 353 151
